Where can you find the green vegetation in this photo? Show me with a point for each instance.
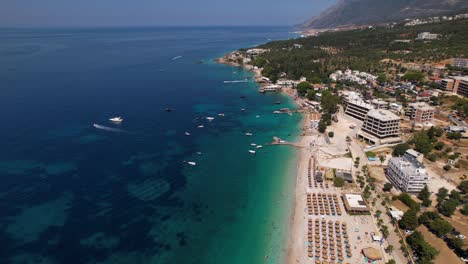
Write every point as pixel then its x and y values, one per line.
pixel 424 250
pixel 463 187
pixel 406 199
pixel 302 88
pixel 425 196
pixel 370 154
pixel 338 182
pixel 442 193
pixel 413 76
pixel 400 149
pixel 331 51
pixel 448 207
pixel 409 220
pixel 440 227
pixel 387 187
pixel 331 134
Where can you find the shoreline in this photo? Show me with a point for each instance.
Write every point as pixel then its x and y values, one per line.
pixel 297 217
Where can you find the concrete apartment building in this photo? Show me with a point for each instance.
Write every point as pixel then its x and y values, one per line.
pixel 407 173
pixel 379 104
pixel 420 112
pixel 458 85
pixel 463 87
pixel 380 127
pixel 460 62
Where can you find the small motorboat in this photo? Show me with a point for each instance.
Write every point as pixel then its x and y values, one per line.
pixel 192 163
pixel 253 144
pixel 187 133
pixel 209 118
pixel 252 151
pixel 259 146
pixel 221 114
pixel 249 134
pixel 116 119
pixel 201 126
pixel 257 116
pixel 242 109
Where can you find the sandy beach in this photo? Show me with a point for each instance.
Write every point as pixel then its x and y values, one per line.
pixel 296 246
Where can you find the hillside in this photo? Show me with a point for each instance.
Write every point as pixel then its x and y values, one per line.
pixel 365 12
pixel 362 50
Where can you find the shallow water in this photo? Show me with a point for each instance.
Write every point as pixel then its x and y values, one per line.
pixel 72 193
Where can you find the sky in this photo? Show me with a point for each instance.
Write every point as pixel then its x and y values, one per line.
pixel 59 13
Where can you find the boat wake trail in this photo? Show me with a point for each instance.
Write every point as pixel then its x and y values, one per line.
pixel 176 58
pixel 111 129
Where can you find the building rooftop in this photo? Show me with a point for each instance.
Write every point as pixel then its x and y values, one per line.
pixel 383 115
pixel 355 201
pixel 361 103
pixel 410 165
pixel 421 106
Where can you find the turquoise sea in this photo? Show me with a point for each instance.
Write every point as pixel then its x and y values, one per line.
pixel 72 193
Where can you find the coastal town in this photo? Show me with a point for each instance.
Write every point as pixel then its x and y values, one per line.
pixel 382 173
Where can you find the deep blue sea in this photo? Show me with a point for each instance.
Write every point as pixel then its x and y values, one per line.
pixel 72 193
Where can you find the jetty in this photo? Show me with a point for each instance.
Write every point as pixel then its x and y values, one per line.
pixel 279 141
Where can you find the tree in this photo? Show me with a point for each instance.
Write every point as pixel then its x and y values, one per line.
pixel 448 207
pixel 382 78
pixel 409 220
pixel 322 126
pixel 387 187
pixel 455 243
pixel 440 227
pixel 422 142
pixel 425 196
pixel 331 134
pixel 389 249
pixel 439 145
pixel 454 195
pixel 413 76
pixel 338 182
pixel 406 199
pixel 311 95
pixel 442 194
pixel 454 135
pixel 302 88
pixel 447 167
pixel 391 261
pixel 464 209
pixel 463 187
pixel 400 149
pixel 424 250
pixel 427 217
pixel 329 102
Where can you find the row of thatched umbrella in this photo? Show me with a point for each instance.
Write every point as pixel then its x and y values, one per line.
pixel 324 247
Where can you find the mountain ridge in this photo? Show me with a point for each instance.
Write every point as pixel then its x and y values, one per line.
pixel 367 12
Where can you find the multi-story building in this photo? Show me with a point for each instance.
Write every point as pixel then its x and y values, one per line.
pixel 458 85
pixel 379 104
pixel 420 112
pixel 460 62
pixel 357 108
pixel 427 36
pixel 462 88
pixel 407 173
pixel 380 127
pixel 447 84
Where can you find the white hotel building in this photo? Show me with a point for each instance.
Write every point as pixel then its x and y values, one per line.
pixel 407 173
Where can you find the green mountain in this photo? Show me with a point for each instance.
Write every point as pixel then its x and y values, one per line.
pixel 367 12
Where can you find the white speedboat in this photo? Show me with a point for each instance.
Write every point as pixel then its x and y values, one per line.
pixel 116 119
pixel 252 151
pixel 259 146
pixel 192 163
pixel 187 133
pixel 253 144
pixel 221 114
pixel 249 134
pixel 201 126
pixel 209 118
